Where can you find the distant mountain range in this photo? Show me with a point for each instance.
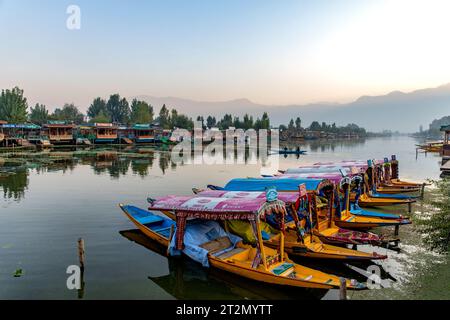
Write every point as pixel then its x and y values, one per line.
pixel 396 111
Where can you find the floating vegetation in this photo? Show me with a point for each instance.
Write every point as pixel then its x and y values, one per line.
pixel 435 224
pixel 18 273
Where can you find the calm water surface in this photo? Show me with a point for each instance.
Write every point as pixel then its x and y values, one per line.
pixel 49 202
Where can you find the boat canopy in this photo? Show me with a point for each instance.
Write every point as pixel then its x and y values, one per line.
pixel 260 184
pixel 321 169
pixel 286 197
pixel 334 177
pixel 218 209
pixel 139 126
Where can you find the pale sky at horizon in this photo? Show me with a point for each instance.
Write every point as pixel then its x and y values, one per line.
pixel 271 52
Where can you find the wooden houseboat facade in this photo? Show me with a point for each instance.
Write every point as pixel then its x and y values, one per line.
pixel 105 133
pixel 143 133
pixel 59 132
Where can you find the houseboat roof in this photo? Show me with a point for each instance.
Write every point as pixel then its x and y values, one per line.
pixel 106 125
pixel 29 126
pixel 139 126
pixel 59 124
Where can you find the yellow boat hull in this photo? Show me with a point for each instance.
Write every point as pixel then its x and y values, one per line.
pixel 351 221
pixel 297 276
pixel 367 201
pixel 318 250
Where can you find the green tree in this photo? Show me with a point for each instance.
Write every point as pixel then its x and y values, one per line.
pixel 315 126
pixel 173 119
pixel 102 117
pixel 226 122
pixel 118 109
pixel 164 118
pixel 13 106
pixel 211 122
pixel 265 121
pixel 248 122
pixel 39 114
pixel 291 125
pixel 98 106
pixel 298 123
pixel 68 113
pixel 141 112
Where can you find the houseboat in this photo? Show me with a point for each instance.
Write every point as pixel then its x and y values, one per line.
pixel 59 132
pixel 19 134
pixel 105 133
pixel 143 133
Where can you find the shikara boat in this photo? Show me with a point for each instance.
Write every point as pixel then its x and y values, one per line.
pixel 347 216
pixel 325 227
pixel 290 151
pixel 297 241
pixel 262 263
pixel 157 228
pixel 344 220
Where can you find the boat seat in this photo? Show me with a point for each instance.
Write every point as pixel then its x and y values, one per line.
pixel 217 245
pixel 149 219
pixel 282 268
pixel 230 253
pixel 165 232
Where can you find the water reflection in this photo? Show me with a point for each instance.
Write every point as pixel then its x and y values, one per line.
pixel 189 280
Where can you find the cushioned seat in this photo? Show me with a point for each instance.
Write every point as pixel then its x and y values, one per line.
pixel 230 253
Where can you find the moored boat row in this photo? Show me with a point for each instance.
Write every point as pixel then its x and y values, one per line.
pixel 253 227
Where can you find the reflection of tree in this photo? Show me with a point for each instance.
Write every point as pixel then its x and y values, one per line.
pixel 141 166
pixel 118 168
pixel 14 185
pixel 164 160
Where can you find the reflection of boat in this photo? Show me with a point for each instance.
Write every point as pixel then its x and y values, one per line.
pixel 187 281
pixel 261 263
pixel 295 243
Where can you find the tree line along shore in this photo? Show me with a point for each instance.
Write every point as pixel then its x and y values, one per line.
pixel 114 113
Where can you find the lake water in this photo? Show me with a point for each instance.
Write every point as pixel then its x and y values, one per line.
pixel 52 200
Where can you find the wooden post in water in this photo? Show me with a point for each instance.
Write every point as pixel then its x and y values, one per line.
pixel 81 255
pixel 397 228
pixel 409 207
pixel 422 192
pixel 172 229
pixel 342 289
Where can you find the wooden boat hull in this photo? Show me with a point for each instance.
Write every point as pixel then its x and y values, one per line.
pixel 321 280
pixel 319 250
pixel 367 201
pixel 351 221
pixel 397 182
pixel 394 190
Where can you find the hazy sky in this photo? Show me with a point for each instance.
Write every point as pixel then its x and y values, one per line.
pixel 271 52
